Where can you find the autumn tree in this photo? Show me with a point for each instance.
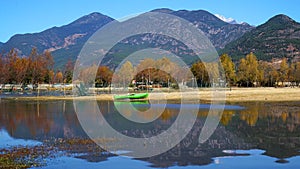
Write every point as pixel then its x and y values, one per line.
pixel 48 60
pixel 297 73
pixel 59 77
pixel 291 73
pixel 1 69
pixel 200 73
pixel 146 68
pixel 46 64
pixel 12 58
pixel 51 76
pixel 23 70
pixel 162 71
pixel 267 74
pixel 283 71
pixel 248 70
pixel 21 67
pixel 156 76
pixel 274 76
pixel 146 63
pixel 32 67
pixel 87 74
pixel 104 76
pixel 68 71
pixel 39 65
pixel 126 73
pixel 166 69
pixel 183 74
pixel 15 68
pixel 213 69
pixel 229 68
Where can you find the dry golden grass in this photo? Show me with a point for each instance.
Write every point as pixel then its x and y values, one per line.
pixel 234 95
pixel 263 94
pixel 242 94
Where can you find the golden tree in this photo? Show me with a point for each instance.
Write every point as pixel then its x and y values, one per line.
pixel 297 73
pixel 59 77
pixel 104 76
pixel 126 73
pixel 200 73
pixel 283 71
pixel 248 70
pixel 228 67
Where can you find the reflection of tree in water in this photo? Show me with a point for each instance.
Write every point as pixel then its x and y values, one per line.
pixel 249 116
pixel 273 127
pixel 39 120
pixel 166 115
pixel 226 117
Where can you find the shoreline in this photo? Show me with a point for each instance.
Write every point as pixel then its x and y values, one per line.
pixel 268 94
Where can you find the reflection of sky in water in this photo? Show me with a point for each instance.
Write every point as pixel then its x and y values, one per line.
pixel 195 106
pixel 7 141
pixel 254 160
pixel 117 162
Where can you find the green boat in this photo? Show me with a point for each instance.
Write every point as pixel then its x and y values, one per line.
pixel 131 96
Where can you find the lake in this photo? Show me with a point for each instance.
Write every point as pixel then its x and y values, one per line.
pixel 249 135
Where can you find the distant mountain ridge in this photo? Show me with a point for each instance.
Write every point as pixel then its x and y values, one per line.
pixel 219 32
pixel 277 38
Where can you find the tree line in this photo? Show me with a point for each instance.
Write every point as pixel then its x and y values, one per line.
pixel 251 72
pixel 149 71
pixel 33 69
pixel 39 68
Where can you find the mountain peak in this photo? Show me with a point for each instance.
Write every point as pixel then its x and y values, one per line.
pixel 163 10
pixel 92 17
pixel 279 22
pixel 228 20
pixel 281 19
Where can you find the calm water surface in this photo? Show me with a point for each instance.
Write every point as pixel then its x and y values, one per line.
pixel 260 135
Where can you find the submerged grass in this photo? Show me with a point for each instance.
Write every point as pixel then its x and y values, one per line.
pixel 23 157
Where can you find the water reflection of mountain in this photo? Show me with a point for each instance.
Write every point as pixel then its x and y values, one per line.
pixel 273 127
pixel 189 152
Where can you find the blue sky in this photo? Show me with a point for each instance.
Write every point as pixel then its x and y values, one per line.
pixel 29 16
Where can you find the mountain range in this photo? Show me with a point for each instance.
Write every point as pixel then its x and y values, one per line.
pixel 218 32
pixel 278 37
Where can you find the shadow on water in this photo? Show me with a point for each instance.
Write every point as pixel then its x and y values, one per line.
pixel 267 126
